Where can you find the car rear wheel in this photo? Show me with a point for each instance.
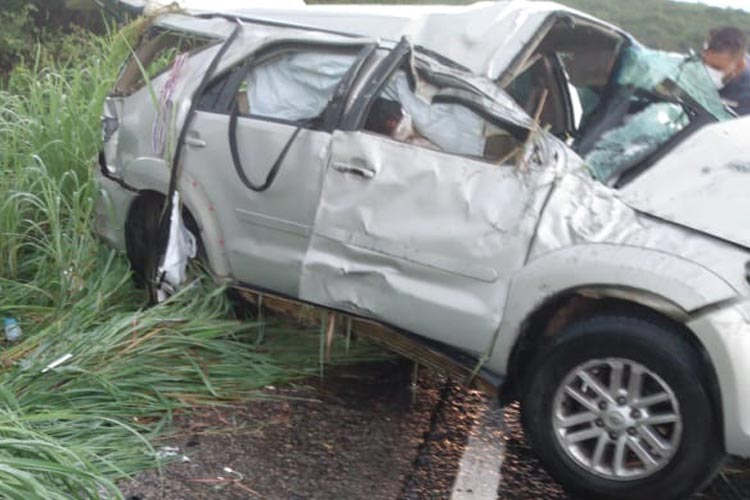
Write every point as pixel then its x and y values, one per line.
pixel 617 408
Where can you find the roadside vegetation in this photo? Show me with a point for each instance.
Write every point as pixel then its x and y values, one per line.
pixel 72 431
pixel 49 22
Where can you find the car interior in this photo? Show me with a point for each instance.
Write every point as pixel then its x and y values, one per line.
pixel 562 77
pixel 582 83
pixel 416 114
pixel 296 87
pixel 292 85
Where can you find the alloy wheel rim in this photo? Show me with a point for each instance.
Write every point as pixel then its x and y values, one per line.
pixel 617 419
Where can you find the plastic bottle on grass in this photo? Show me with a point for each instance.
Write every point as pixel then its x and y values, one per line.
pixel 12 330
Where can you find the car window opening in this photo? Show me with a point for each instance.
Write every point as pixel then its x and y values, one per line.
pixel 293 86
pixel 155 54
pixel 572 62
pixel 415 118
pixel 614 101
pixel 657 97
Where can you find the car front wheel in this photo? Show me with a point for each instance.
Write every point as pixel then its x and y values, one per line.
pixel 617 408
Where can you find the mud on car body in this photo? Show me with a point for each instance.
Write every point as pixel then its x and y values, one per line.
pixel 609 295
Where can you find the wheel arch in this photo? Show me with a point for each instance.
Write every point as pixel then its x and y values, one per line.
pixel 633 334
pixel 577 282
pixel 150 178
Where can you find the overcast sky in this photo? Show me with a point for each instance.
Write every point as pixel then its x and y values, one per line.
pixel 737 4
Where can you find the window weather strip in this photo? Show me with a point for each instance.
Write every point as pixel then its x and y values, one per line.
pixel 258 188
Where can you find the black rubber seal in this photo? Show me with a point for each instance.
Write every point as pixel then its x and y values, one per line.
pixel 258 188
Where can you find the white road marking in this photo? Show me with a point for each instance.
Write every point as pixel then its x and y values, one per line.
pixel 479 470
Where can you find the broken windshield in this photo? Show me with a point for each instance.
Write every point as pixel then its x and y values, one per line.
pixel 657 95
pixel 649 70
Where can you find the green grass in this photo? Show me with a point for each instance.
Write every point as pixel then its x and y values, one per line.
pixel 71 432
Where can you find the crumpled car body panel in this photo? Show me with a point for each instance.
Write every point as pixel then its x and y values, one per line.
pixel 429 235
pixel 703 184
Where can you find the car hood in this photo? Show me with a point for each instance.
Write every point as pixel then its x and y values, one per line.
pixel 703 184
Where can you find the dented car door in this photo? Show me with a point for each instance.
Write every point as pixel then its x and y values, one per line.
pixel 423 234
pixel 262 130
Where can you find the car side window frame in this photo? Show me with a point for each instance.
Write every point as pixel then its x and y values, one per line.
pixel 136 73
pixel 356 116
pixel 223 100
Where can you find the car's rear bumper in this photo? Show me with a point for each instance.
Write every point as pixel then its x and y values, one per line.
pixel 725 333
pixel 112 205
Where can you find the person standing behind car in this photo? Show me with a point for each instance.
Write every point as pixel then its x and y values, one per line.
pixel 728 64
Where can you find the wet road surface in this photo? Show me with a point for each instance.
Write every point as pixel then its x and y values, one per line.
pixel 362 433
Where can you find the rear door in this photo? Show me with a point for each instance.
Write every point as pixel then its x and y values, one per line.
pixel 258 147
pixel 422 233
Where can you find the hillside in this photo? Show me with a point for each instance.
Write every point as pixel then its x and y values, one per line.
pixel 664 24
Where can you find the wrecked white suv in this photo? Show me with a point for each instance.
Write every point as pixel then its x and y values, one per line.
pixel 384 182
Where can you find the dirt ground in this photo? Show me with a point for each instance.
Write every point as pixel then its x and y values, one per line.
pixel 360 433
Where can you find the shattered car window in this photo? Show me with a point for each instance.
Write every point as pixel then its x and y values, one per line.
pixel 641 136
pixel 655 91
pixel 648 69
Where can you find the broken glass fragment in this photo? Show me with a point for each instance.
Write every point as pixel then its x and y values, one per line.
pixel 671 75
pixel 641 135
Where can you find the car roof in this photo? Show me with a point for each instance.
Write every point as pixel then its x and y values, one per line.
pixel 252 35
pixel 484 37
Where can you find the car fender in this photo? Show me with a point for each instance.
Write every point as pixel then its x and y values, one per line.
pixel 150 174
pixel 667 283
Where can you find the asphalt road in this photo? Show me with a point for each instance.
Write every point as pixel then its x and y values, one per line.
pixel 364 433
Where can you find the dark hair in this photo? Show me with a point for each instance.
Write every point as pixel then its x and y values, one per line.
pixel 383 111
pixel 729 39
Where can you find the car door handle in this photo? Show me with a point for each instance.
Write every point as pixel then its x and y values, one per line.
pixel 360 170
pixel 194 140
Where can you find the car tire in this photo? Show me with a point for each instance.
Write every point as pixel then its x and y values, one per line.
pixel 143 240
pixel 141 237
pixel 584 412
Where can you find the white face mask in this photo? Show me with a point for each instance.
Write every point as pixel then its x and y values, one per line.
pixel 716 76
pixel 405 128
